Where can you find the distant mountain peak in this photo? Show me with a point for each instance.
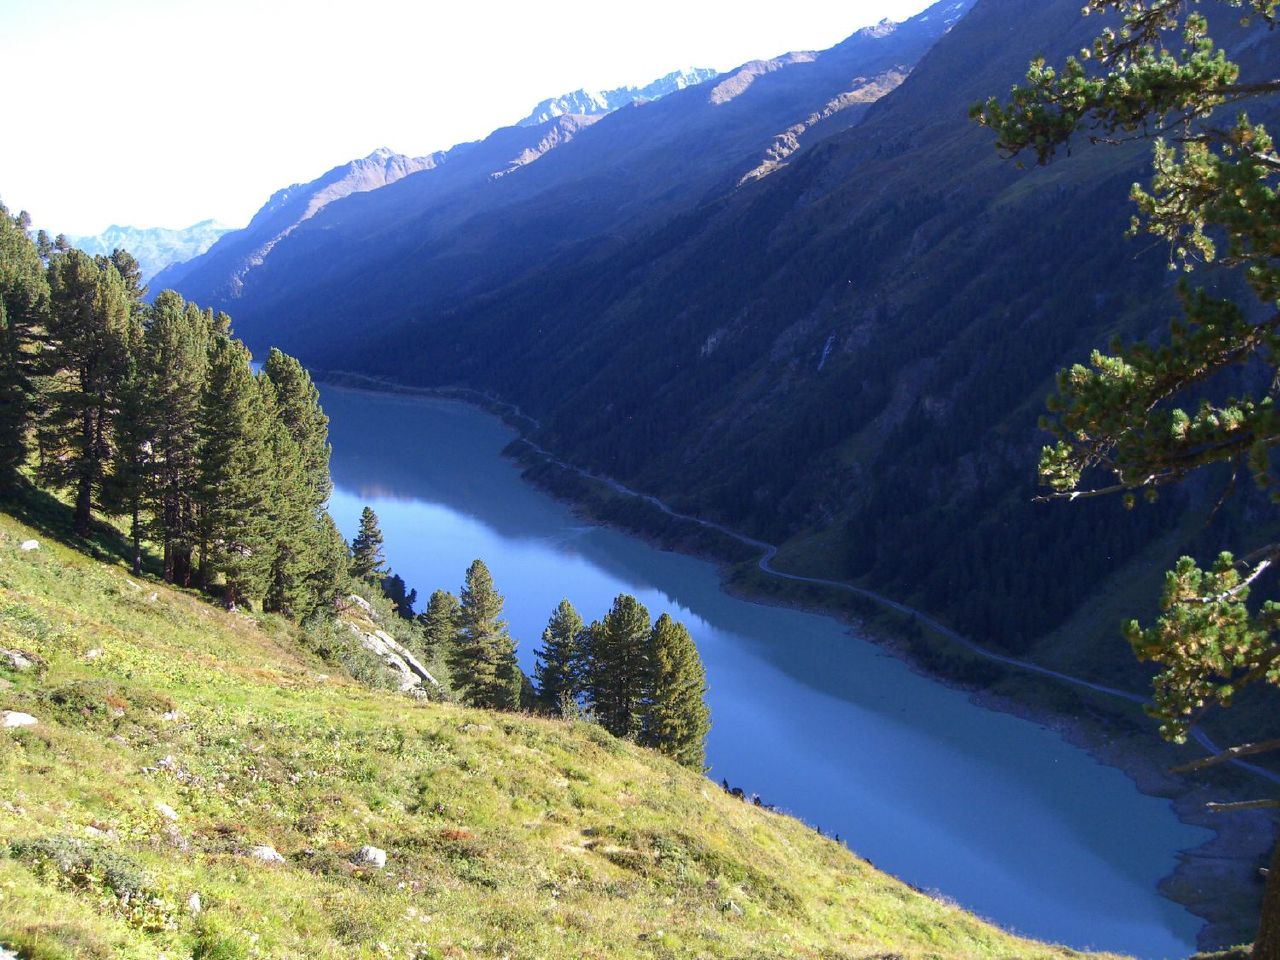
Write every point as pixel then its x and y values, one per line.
pixel 589 103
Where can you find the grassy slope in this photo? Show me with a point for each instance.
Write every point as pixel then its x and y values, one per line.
pixel 507 836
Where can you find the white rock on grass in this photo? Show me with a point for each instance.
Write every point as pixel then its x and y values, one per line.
pixel 194 906
pixel 12 719
pixel 16 660
pixel 28 545
pixel 166 811
pixel 368 856
pixel 93 654
pixel 266 854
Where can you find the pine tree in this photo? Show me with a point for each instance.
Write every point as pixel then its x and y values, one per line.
pixel 676 718
pixel 298 403
pixel 295 519
pixel 620 667
pixel 559 661
pixel 24 306
pixel 132 465
pixel 367 561
pixel 90 310
pixel 483 659
pixel 330 577
pixel 440 623
pixel 401 596
pixel 235 475
pixel 1145 415
pixel 177 355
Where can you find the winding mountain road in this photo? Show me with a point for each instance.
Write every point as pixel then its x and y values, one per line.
pixel 768 552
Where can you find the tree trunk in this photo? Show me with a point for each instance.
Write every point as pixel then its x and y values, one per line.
pixel 1267 946
pixel 137 541
pixel 84 483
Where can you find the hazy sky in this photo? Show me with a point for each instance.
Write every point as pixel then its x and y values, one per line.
pixel 166 112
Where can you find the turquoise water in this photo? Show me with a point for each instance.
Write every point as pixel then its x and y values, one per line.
pixel 991 811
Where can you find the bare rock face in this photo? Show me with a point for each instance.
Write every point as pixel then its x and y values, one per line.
pixel 12 720
pixel 368 856
pixel 394 655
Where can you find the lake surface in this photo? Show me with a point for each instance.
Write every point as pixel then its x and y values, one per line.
pixel 992 811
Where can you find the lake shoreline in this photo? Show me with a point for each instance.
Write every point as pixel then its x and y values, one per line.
pixel 1211 880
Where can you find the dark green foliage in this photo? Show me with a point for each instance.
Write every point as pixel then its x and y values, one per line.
pixel 483 660
pixel 24 305
pixel 80 863
pixel 367 561
pixel 394 589
pixel 560 665
pixel 1143 416
pixel 237 508
pixel 619 675
pixel 133 428
pixel 298 406
pixel 178 340
pixel 90 313
pixel 440 623
pixel 677 719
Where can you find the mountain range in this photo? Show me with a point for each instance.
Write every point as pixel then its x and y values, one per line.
pixel 155 248
pixel 805 298
pixel 591 102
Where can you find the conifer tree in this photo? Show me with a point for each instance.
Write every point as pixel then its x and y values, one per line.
pixel 177 353
pixel 131 478
pixel 440 623
pixel 295 519
pixel 235 475
pixel 401 596
pixel 676 719
pixel 483 659
pixel 90 310
pixel 329 578
pixel 559 661
pixel 24 305
pixel 620 667
pixel 367 561
pixel 298 404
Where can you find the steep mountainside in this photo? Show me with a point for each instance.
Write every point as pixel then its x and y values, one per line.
pixel 240 251
pixel 590 102
pixel 417 247
pixel 849 355
pixel 842 348
pixel 155 248
pixel 199 784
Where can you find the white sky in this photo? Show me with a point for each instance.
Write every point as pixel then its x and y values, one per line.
pixel 167 112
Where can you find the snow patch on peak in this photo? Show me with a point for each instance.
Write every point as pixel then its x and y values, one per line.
pixel 589 103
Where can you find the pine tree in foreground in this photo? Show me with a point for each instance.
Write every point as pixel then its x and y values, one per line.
pixel 91 309
pixel 177 361
pixel 619 674
pixel 367 560
pixel 483 661
pixel 677 719
pixel 236 489
pixel 24 306
pixel 557 672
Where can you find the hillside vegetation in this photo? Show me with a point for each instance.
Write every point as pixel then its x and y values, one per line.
pixel 174 737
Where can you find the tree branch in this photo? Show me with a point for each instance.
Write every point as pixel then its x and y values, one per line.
pixel 1244 750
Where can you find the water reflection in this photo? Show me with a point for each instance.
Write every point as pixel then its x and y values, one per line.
pixel 993 811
